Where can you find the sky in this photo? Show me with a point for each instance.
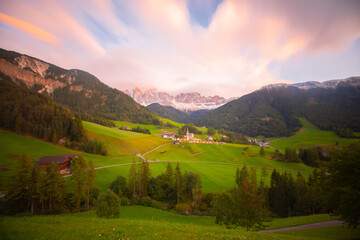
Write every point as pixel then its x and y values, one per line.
pixel 215 47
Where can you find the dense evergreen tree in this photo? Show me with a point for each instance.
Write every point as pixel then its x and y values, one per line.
pixel 178 182
pixel 26 112
pixel 90 180
pixel 80 179
pixel 345 185
pixel 118 186
pixel 133 179
pixel 245 206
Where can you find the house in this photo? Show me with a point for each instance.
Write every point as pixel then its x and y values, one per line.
pixel 62 160
pixel 169 135
pixel 125 128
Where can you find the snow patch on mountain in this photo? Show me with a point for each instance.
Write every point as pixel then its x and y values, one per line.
pixel 332 84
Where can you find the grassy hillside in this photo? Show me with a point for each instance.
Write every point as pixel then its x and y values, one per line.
pixel 228 153
pixel 138 222
pixel 15 144
pixel 310 135
pixel 122 143
pixel 154 130
pixel 216 176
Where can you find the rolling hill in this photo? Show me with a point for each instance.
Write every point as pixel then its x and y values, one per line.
pixel 273 110
pixel 78 90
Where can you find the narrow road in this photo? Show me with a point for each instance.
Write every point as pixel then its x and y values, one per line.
pixel 124 164
pixel 306 226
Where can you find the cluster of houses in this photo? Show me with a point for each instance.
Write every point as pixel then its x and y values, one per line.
pixel 189 138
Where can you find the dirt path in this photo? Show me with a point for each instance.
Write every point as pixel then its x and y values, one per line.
pixel 195 154
pixel 155 149
pixel 306 226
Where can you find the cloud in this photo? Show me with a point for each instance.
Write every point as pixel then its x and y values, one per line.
pixel 30 29
pixel 239 47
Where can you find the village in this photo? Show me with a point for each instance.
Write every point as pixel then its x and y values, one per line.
pixel 190 138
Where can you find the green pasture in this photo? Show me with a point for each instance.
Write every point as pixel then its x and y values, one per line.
pixel 228 153
pixel 137 222
pixel 15 144
pixel 155 130
pixel 178 125
pixel 215 176
pixel 122 143
pixel 310 135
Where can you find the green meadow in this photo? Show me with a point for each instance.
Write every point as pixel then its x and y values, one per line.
pixel 137 222
pixel 308 136
pixel 154 130
pixel 120 142
pixel 215 164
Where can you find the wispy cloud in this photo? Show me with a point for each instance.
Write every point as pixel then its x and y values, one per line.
pixel 30 29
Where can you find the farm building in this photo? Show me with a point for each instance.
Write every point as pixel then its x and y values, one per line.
pixel 63 161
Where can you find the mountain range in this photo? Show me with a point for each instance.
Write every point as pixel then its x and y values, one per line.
pixel 183 101
pixel 77 90
pixel 273 110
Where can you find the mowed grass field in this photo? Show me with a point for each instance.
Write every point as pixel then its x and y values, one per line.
pixel 137 222
pixel 122 143
pixel 309 136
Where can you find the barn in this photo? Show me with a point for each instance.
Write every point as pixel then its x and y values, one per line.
pixel 62 160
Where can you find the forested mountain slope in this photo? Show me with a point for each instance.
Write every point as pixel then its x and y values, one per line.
pixel 177 115
pixel 29 113
pixel 78 90
pixel 274 110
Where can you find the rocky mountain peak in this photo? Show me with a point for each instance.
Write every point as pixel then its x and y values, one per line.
pixel 183 101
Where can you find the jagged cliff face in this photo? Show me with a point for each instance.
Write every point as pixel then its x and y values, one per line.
pixel 183 101
pixel 36 75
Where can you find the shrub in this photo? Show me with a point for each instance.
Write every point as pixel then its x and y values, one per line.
pixel 108 205
pixel 183 208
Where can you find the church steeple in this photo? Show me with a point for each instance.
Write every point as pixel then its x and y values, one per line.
pixel 187 132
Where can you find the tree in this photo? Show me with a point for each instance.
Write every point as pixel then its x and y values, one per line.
pixel 133 178
pixel 249 207
pixel 243 207
pixel 169 174
pixel 55 187
pixel 178 183
pixel 211 131
pixel 262 151
pixel 145 178
pixel 192 187
pixel 91 176
pixel 345 185
pixel 118 186
pixel 80 179
pixel 241 175
pixel 108 205
pixel 20 187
